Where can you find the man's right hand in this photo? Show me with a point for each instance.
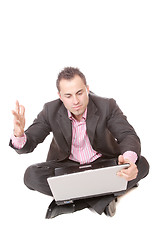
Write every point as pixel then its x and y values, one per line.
pixel 19 120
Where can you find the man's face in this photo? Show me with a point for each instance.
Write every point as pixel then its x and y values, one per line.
pixel 74 95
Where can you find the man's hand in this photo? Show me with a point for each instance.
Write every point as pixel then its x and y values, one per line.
pixel 19 120
pixel 129 173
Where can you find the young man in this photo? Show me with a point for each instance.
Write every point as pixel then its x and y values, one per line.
pixel 85 128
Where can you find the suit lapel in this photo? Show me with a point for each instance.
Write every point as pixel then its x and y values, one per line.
pixel 65 124
pixel 92 120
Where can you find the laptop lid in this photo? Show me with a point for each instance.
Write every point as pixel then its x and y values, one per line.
pixel 85 181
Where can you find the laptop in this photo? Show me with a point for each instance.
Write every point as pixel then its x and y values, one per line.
pixel 85 181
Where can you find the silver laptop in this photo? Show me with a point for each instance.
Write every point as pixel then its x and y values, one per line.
pixel 85 181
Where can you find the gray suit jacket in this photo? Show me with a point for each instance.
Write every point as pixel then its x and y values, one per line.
pixel 108 129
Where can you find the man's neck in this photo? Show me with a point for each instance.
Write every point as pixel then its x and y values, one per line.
pixel 80 116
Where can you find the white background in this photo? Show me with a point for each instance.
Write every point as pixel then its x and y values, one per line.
pixel 116 44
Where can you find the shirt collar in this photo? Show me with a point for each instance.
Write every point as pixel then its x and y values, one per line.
pixel 70 116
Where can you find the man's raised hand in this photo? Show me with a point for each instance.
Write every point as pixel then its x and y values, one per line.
pixel 19 120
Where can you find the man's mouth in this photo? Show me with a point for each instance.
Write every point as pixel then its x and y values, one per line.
pixel 77 107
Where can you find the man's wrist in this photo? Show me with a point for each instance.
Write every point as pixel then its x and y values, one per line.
pixel 19 142
pixel 18 135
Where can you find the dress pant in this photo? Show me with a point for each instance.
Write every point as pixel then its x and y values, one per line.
pixel 36 175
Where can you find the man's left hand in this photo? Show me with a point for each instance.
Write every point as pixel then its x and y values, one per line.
pixel 129 173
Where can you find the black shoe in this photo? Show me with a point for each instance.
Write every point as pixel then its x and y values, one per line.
pixel 136 185
pixel 55 210
pixel 110 210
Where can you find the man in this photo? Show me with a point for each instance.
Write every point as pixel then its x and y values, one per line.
pixel 85 128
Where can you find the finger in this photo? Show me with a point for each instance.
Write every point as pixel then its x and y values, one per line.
pixel 17 107
pixel 130 172
pixel 15 114
pixel 22 110
pixel 126 171
pixel 18 123
pixel 131 167
pixel 121 174
pixel 120 159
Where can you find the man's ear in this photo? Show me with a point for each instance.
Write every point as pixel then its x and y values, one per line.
pixel 87 87
pixel 59 96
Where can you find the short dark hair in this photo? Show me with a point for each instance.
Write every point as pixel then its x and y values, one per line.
pixel 69 73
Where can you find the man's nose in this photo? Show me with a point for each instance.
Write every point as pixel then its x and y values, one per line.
pixel 75 100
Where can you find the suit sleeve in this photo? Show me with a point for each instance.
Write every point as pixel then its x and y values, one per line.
pixel 36 133
pixel 122 131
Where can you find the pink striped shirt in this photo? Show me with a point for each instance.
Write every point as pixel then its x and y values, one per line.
pixel 81 150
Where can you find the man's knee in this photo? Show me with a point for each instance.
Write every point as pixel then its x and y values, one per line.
pixel 29 176
pixel 35 177
pixel 143 166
